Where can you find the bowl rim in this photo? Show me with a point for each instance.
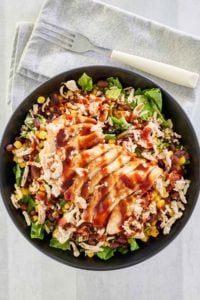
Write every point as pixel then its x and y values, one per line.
pixel 31 95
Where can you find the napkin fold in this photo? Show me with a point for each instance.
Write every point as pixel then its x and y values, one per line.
pixel 20 86
pixel 106 26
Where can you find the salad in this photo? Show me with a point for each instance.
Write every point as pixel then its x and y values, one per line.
pixel 98 168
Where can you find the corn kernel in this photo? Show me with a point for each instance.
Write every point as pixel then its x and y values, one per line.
pixel 18 196
pixel 170 153
pixel 41 134
pixel 35 218
pixel 41 144
pixel 160 203
pixel 153 195
pixel 73 112
pixel 111 141
pixel 66 206
pixel 41 100
pixel 105 244
pixel 94 92
pixel 22 165
pixel 24 191
pixel 15 158
pixel 42 188
pixel 182 161
pixel 60 98
pixel 165 194
pixel 154 231
pixel 145 239
pixel 18 160
pixel 69 93
pixel 157 198
pixel 55 232
pixel 18 144
pixel 147 231
pixel 90 254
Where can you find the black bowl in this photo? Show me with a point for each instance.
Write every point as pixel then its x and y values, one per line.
pixel 181 124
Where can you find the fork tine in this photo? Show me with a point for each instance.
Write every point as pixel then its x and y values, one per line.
pixel 57 34
pixel 59 30
pixel 55 40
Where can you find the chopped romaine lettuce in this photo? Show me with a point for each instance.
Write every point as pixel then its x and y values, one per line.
pixel 18 174
pixel 147 110
pixel 114 82
pixel 122 250
pixel 37 231
pixel 138 152
pixel 166 123
pixel 62 202
pixel 56 244
pixel 110 136
pixel 85 82
pixel 138 92
pixel 106 253
pixel 120 123
pixel 42 119
pixel 114 89
pixel 156 95
pixel 133 244
pixel 29 201
pixel 152 101
pixel 113 92
pixel 29 122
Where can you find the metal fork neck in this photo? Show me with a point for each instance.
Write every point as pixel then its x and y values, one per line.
pixel 101 50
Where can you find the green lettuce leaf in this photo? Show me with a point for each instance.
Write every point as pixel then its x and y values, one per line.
pixel 29 201
pixel 56 244
pixel 42 119
pixel 107 253
pixel 114 89
pixel 114 82
pixel 138 92
pixel 147 110
pixel 37 231
pixel 110 136
pixel 133 244
pixel 29 122
pixel 156 95
pixel 62 202
pixel 86 82
pixel 113 92
pixel 138 152
pixel 18 174
pixel 121 123
pixel 122 250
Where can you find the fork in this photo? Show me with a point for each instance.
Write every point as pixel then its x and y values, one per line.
pixel 76 42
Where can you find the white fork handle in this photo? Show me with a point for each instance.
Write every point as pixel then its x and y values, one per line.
pixel 161 70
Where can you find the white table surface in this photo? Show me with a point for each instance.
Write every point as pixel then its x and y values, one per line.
pixel 26 274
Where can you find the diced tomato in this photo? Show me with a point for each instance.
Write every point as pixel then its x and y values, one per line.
pixel 146 136
pixel 62 222
pixel 146 133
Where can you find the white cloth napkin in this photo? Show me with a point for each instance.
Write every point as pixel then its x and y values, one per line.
pixel 106 26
